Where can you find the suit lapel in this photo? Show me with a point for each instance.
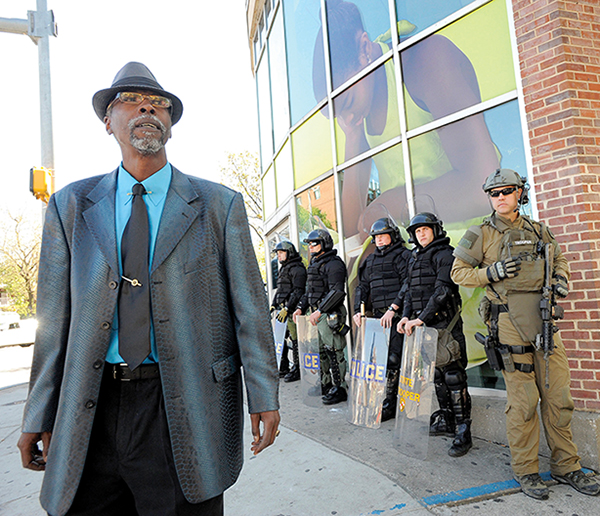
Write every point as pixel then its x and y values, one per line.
pixel 100 218
pixel 176 218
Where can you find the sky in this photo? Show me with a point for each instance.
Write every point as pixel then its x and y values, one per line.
pixel 196 50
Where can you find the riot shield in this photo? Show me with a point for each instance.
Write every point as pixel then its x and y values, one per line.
pixel 368 363
pixel 279 329
pixel 310 362
pixel 415 391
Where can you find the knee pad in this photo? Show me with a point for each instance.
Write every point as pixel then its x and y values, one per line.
pixel 393 361
pixel 455 379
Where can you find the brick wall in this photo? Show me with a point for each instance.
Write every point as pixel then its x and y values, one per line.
pixel 559 55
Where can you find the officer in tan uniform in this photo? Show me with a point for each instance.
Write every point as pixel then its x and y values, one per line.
pixel 505 254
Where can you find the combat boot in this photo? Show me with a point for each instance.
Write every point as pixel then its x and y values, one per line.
pixel 388 409
pixel 294 374
pixel 461 404
pixel 320 389
pixel 442 423
pixel 284 364
pixel 335 395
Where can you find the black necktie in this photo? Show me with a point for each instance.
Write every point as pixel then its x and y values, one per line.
pixel 134 296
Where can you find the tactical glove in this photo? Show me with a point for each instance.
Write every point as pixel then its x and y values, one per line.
pixel 560 286
pixel 282 315
pixel 505 269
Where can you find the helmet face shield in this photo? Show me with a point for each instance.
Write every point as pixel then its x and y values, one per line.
pixel 322 237
pixel 385 226
pixel 425 219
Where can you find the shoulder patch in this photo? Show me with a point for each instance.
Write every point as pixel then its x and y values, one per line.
pixel 468 239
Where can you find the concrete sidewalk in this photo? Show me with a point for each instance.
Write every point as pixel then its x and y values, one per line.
pixel 322 465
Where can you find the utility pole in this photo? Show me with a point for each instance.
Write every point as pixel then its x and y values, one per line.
pixel 39 26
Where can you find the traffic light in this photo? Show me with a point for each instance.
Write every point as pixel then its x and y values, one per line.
pixel 40 183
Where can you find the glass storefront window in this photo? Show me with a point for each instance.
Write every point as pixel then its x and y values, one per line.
pixel 450 70
pixel 315 208
pixel 269 193
pixel 284 173
pixel 264 113
pixel 302 22
pixel 358 32
pixel 424 13
pixel 367 113
pixel 279 86
pixel 311 145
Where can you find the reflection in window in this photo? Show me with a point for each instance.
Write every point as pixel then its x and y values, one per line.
pixel 424 13
pixel 316 212
pixel 367 113
pixel 302 22
pixel 281 233
pixel 450 71
pixel 311 144
pixel 279 89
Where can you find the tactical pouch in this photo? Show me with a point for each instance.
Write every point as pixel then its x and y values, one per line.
pixel 448 349
pixel 485 309
pixel 337 325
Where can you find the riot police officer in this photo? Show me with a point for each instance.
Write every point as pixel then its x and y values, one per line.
pixel 324 302
pixel 291 283
pixel 381 277
pixel 506 255
pixel 432 298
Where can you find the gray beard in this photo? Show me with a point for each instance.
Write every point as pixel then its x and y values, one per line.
pixel 150 144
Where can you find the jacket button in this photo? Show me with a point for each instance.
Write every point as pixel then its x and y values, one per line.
pixel 90 404
pixel 113 285
pixel 98 364
pixel 105 325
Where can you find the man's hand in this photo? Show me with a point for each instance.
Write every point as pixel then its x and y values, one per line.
pixel 314 317
pixel 408 327
pixel 387 318
pixel 357 319
pixel 295 315
pixel 505 269
pixel 560 286
pixel 31 456
pixel 401 325
pixel 270 421
pixel 282 315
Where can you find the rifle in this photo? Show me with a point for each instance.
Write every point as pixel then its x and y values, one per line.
pixel 550 312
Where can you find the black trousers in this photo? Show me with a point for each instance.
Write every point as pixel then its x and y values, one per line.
pixel 129 469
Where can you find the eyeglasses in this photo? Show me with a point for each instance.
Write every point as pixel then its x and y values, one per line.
pixel 504 191
pixel 132 97
pixel 314 244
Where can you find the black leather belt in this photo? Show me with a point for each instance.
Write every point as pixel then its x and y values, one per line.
pixel 122 373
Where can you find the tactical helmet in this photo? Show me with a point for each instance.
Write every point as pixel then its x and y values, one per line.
pixel 385 226
pixel 507 177
pixel 288 247
pixel 322 237
pixel 425 219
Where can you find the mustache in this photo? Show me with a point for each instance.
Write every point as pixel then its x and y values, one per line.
pixel 134 122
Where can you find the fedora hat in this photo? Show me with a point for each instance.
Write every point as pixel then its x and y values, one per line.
pixel 134 76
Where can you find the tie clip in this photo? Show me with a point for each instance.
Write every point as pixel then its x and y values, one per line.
pixel 134 282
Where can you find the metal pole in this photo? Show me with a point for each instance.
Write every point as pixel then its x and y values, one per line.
pixel 45 96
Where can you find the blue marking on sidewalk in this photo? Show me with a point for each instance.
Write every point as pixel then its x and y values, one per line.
pixel 473 492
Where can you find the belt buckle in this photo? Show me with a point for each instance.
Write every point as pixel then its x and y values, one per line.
pixel 121 366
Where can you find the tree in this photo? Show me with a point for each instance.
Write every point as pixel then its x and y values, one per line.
pixel 242 173
pixel 20 241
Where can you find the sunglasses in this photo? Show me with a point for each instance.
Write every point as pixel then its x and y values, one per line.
pixel 314 244
pixel 504 191
pixel 132 97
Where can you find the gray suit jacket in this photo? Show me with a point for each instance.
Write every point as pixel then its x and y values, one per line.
pixel 210 316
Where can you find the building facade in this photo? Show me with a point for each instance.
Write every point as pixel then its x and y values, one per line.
pixel 373 108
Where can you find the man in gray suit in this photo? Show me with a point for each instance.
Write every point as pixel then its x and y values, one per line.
pixel 136 391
